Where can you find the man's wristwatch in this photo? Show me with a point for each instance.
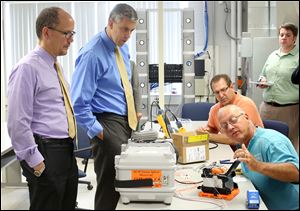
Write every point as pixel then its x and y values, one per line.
pixel 38 173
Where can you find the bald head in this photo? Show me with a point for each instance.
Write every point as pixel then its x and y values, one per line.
pixel 234 122
pixel 230 110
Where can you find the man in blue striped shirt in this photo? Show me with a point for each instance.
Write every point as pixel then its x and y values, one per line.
pixel 99 100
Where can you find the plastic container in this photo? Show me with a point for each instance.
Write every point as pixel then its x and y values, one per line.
pixel 141 162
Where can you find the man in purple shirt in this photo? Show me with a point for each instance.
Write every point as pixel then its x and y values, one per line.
pixel 37 116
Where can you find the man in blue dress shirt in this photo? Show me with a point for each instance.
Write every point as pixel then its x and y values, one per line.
pixel 37 116
pixel 99 100
pixel 268 158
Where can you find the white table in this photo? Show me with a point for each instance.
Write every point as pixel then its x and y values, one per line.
pixel 5 140
pixel 11 171
pixel 191 191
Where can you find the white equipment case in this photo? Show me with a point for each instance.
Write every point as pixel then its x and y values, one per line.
pixel 145 172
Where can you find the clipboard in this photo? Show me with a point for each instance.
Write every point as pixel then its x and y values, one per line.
pixel 266 83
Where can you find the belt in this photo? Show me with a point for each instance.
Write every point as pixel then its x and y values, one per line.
pixel 280 105
pixel 109 114
pixel 39 138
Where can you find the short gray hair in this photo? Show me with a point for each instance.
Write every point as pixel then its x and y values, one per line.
pixel 123 10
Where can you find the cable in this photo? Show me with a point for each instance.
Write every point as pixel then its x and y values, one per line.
pixel 174 116
pixel 162 120
pixel 156 103
pixel 206 32
pixel 208 78
pixel 185 173
pixel 178 123
pixel 188 183
pixel 178 194
pixel 216 145
pixel 143 125
pixel 227 11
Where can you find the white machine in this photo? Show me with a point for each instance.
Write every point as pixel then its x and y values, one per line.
pixel 145 172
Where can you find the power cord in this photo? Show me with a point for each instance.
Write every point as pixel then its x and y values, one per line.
pixel 227 11
pixel 216 145
pixel 162 120
pixel 178 123
pixel 156 103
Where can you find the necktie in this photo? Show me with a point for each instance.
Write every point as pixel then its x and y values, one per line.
pixel 132 119
pixel 67 100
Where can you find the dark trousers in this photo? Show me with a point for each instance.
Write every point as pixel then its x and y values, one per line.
pixel 116 132
pixel 56 188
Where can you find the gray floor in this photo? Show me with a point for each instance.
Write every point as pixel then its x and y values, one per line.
pixel 17 198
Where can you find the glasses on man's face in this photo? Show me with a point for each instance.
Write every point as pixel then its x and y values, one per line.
pixel 233 120
pixel 68 35
pixel 221 91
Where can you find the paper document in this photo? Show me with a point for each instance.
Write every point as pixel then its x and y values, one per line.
pixel 267 83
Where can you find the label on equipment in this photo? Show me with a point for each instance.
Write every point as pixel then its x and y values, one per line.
pixel 196 138
pixel 155 175
pixel 196 153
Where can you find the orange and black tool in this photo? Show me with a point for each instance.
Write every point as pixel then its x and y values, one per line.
pixel 218 183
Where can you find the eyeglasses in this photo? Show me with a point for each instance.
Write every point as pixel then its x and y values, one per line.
pixel 233 120
pixel 221 91
pixel 68 35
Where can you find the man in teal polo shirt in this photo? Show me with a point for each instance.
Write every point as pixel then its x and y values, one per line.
pixel 268 158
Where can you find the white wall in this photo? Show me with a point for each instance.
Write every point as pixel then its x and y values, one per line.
pixel 3 95
pixel 218 41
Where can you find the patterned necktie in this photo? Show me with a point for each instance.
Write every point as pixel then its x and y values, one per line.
pixel 67 100
pixel 132 119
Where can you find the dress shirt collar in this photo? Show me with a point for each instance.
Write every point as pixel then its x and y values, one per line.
pixel 107 41
pixel 49 59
